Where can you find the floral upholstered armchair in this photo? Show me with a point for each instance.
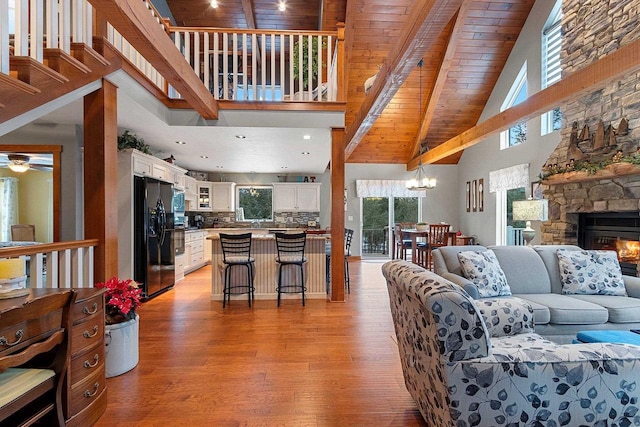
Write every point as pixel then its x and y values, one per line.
pixel 479 363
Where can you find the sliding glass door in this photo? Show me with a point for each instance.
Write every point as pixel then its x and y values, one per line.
pixel 378 216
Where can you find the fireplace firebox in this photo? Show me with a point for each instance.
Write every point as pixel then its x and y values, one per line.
pixel 616 231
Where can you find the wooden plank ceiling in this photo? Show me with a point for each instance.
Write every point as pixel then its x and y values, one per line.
pixel 441 99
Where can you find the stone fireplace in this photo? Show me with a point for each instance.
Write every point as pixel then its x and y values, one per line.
pixel 607 121
pixel 614 231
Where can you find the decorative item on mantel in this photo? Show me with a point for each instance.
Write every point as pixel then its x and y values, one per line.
pixel 13 280
pixel 122 298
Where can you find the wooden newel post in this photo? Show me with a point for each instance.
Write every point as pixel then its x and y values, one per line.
pixel 341 63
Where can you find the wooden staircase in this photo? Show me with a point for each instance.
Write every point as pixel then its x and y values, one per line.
pixel 31 84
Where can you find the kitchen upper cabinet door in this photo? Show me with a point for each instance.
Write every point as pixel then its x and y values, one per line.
pixel 224 196
pixel 142 166
pixel 204 196
pixel 284 197
pixel 308 198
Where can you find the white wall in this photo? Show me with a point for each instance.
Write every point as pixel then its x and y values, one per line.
pixel 479 160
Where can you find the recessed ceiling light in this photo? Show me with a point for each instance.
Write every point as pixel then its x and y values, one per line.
pixel 204 157
pixel 180 142
pixel 214 4
pixel 282 6
pixel 306 136
pixel 306 153
pixel 219 167
pixel 284 167
pixel 240 136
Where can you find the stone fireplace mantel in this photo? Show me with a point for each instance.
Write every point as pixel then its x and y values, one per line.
pixel 615 170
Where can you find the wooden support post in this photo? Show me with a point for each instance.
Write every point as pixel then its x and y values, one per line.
pixel 341 65
pixel 101 177
pixel 337 215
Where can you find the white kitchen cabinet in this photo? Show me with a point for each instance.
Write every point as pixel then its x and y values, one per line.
pixel 204 193
pixel 224 196
pixel 178 179
pixel 195 250
pixel 190 189
pixel 296 197
pixel 147 165
pixel 179 267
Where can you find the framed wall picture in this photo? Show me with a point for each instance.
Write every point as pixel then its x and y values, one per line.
pixel 480 195
pixel 468 196
pixel 474 196
pixel 536 190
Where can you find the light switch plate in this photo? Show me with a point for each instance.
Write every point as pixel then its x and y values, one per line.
pixel 311 223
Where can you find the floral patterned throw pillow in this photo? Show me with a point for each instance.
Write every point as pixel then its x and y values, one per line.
pixel 590 273
pixel 483 269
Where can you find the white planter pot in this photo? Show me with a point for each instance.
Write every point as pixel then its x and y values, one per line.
pixel 122 347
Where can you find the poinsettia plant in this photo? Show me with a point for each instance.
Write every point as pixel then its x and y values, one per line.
pixel 122 298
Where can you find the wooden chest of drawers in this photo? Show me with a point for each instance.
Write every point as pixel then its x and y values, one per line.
pixel 85 392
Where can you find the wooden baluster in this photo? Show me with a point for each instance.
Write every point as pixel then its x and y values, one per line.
pixel 319 78
pixel 272 38
pixel 22 28
pixel 330 70
pixel 216 60
pixel 265 62
pixel 291 79
pixel 87 23
pixel 207 81
pixel 254 65
pixel 196 54
pixel 309 68
pixel 245 74
pixel 52 270
pixel 282 73
pixel 65 269
pixel 235 65
pixel 225 66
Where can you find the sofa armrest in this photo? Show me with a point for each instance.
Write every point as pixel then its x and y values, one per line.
pixel 506 316
pixel 464 283
pixel 632 285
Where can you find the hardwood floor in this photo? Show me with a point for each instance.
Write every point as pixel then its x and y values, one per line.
pixel 326 364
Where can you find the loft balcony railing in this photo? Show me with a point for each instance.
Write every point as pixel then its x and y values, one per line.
pixel 243 65
pixel 253 65
pixel 57 265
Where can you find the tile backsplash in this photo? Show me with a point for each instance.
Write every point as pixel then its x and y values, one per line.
pixel 281 219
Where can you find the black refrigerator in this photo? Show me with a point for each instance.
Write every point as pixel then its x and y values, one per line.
pixel 154 254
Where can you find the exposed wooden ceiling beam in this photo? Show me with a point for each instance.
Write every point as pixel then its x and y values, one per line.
pixel 250 17
pixel 425 22
pixel 458 24
pixel 622 61
pixel 133 20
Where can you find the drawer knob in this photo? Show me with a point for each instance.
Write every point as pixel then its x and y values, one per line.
pixel 5 342
pixel 88 364
pixel 87 334
pixel 93 310
pixel 89 393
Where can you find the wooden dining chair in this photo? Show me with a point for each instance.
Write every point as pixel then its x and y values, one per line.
pixel 23 233
pixel 438 236
pixel 402 245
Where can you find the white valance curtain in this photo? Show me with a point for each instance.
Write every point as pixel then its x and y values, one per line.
pixel 8 207
pixel 385 188
pixel 509 178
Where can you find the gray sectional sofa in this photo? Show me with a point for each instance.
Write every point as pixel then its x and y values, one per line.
pixel 533 274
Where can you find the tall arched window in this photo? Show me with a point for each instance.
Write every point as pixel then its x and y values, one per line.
pixel 516 134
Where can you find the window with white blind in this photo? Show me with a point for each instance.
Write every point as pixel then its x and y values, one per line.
pixel 516 134
pixel 551 65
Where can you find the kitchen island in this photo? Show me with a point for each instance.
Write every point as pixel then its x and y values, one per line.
pixel 263 249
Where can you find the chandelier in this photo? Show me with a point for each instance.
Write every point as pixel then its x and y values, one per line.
pixel 420 181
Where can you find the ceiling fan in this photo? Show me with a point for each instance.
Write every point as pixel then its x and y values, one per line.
pixel 23 162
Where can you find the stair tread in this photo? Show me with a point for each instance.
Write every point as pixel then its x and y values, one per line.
pixel 54 55
pixel 35 69
pixel 14 83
